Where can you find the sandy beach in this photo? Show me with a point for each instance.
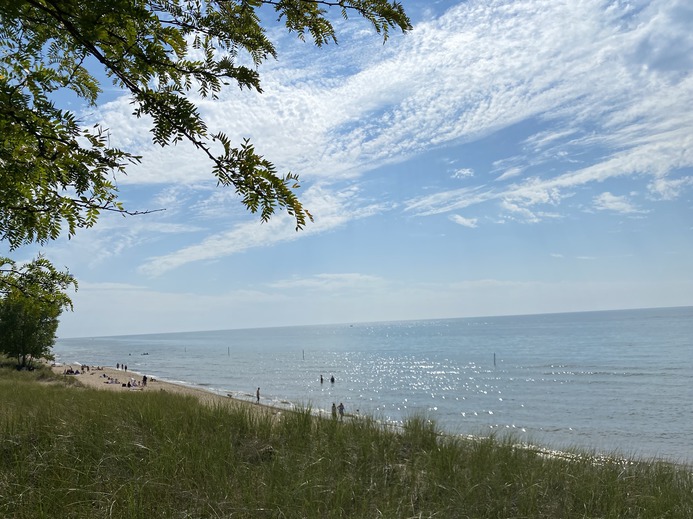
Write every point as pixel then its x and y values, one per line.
pixel 97 377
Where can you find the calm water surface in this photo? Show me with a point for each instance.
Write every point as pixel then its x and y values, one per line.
pixel 614 382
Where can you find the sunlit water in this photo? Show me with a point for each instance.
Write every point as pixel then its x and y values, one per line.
pixel 614 382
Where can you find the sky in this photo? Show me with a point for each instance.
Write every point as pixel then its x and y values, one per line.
pixel 504 157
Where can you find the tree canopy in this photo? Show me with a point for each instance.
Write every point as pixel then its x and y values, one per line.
pixel 57 176
pixel 32 297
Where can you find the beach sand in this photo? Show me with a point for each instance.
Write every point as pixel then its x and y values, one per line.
pixel 97 377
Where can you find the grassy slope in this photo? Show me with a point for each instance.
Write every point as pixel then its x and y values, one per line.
pixel 70 452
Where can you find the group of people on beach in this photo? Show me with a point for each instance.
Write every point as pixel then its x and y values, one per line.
pixel 131 384
pixel 83 367
pixel 110 380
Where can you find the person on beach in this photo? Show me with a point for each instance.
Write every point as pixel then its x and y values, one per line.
pixel 334 411
pixel 341 411
pixel 257 396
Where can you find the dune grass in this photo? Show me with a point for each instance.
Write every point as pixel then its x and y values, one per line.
pixel 76 453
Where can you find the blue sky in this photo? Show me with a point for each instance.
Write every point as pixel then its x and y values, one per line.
pixel 504 157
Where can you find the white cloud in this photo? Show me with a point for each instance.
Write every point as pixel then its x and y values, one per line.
pixel 619 204
pixel 532 191
pixel 542 140
pixel 448 201
pixel 669 189
pixel 510 173
pixel 518 212
pixel 464 222
pixel 463 173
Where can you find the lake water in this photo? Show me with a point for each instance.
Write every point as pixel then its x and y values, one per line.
pixel 606 382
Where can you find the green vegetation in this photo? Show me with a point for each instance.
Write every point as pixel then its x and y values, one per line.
pixel 70 452
pixel 32 297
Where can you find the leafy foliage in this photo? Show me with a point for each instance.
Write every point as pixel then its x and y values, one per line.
pixel 56 175
pixel 32 297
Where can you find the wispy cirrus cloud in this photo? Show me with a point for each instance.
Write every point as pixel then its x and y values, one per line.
pixel 510 173
pixel 463 173
pixel 612 94
pixel 330 210
pixel 619 204
pixel 637 162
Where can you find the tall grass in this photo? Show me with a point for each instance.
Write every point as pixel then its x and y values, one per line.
pixel 77 453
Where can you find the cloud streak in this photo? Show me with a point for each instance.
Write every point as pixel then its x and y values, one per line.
pixel 330 210
pixel 619 204
pixel 464 222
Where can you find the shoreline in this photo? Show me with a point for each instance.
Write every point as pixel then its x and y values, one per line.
pixel 96 377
